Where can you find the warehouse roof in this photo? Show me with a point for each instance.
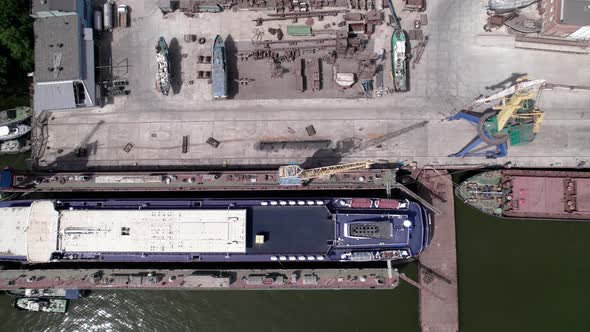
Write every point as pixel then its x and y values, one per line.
pixel 576 12
pixel 58 52
pixel 54 5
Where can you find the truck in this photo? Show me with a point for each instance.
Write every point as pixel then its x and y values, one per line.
pixel 415 5
pixel 123 13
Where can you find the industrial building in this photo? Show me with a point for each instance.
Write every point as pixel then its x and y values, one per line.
pixel 64 55
pixel 566 18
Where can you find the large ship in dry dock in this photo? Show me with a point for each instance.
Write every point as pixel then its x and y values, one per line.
pixel 213 230
pixel 529 194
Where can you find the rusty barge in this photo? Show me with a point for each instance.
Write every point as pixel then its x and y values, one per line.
pixel 20 182
pixel 187 279
pixel 529 194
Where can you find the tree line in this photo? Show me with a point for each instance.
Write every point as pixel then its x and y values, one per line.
pixel 16 52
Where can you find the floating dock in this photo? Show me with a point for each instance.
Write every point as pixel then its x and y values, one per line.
pixel 374 278
pixel 370 179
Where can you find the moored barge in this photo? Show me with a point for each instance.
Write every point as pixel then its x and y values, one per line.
pixel 529 194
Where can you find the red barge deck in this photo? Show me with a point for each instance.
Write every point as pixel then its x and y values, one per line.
pixel 89 279
pixel 183 181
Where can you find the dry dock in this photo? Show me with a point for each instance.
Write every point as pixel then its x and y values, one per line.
pixel 439 305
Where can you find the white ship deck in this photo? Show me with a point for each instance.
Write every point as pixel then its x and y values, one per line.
pixel 13 222
pixel 164 231
pixel 40 230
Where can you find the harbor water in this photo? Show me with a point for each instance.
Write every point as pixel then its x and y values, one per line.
pixel 513 276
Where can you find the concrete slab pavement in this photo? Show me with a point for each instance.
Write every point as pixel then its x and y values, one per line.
pixel 454 70
pixel 157 137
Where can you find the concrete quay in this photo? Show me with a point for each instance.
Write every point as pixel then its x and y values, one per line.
pixel 357 130
pixel 457 66
pixel 439 303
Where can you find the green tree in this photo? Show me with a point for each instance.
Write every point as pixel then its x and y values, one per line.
pixel 16 52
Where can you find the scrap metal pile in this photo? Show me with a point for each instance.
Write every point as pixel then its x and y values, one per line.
pixel 321 45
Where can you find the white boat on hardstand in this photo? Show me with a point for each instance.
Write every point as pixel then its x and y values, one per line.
pixel 13 131
pixel 14 146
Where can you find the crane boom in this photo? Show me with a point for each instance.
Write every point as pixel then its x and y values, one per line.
pixel 397 25
pixel 293 174
pixel 519 87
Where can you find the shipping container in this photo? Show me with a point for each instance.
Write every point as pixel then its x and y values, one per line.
pixel 298 30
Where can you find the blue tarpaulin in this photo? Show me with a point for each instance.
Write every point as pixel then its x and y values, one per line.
pixel 5 179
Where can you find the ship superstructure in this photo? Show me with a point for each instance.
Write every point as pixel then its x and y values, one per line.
pixel 213 230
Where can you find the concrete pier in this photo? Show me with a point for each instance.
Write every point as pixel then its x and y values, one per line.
pixel 439 305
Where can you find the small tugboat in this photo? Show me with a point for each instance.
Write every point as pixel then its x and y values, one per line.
pixel 399 64
pixel 15 115
pixel 14 146
pixel 162 60
pixel 219 69
pixel 13 131
pixel 41 304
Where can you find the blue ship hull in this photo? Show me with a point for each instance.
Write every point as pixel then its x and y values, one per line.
pixel 302 230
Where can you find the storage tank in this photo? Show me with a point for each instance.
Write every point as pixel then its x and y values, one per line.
pixel 108 16
pixel 97 20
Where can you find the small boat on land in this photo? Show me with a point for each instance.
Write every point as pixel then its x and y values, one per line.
pixel 163 62
pixel 41 304
pixel 13 131
pixel 219 69
pixel 15 115
pixel 399 63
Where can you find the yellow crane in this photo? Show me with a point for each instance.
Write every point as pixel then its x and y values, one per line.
pixel 515 120
pixel 295 175
pixel 514 103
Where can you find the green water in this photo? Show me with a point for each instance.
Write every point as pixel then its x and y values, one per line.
pixel 351 310
pixel 513 276
pixel 517 275
pixel 15 161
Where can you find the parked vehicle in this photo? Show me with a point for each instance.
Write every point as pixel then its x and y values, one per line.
pixel 13 131
pixel 123 14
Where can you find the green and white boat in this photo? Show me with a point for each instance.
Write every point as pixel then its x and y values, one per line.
pixel 163 62
pixel 15 115
pixel 41 304
pixel 399 63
